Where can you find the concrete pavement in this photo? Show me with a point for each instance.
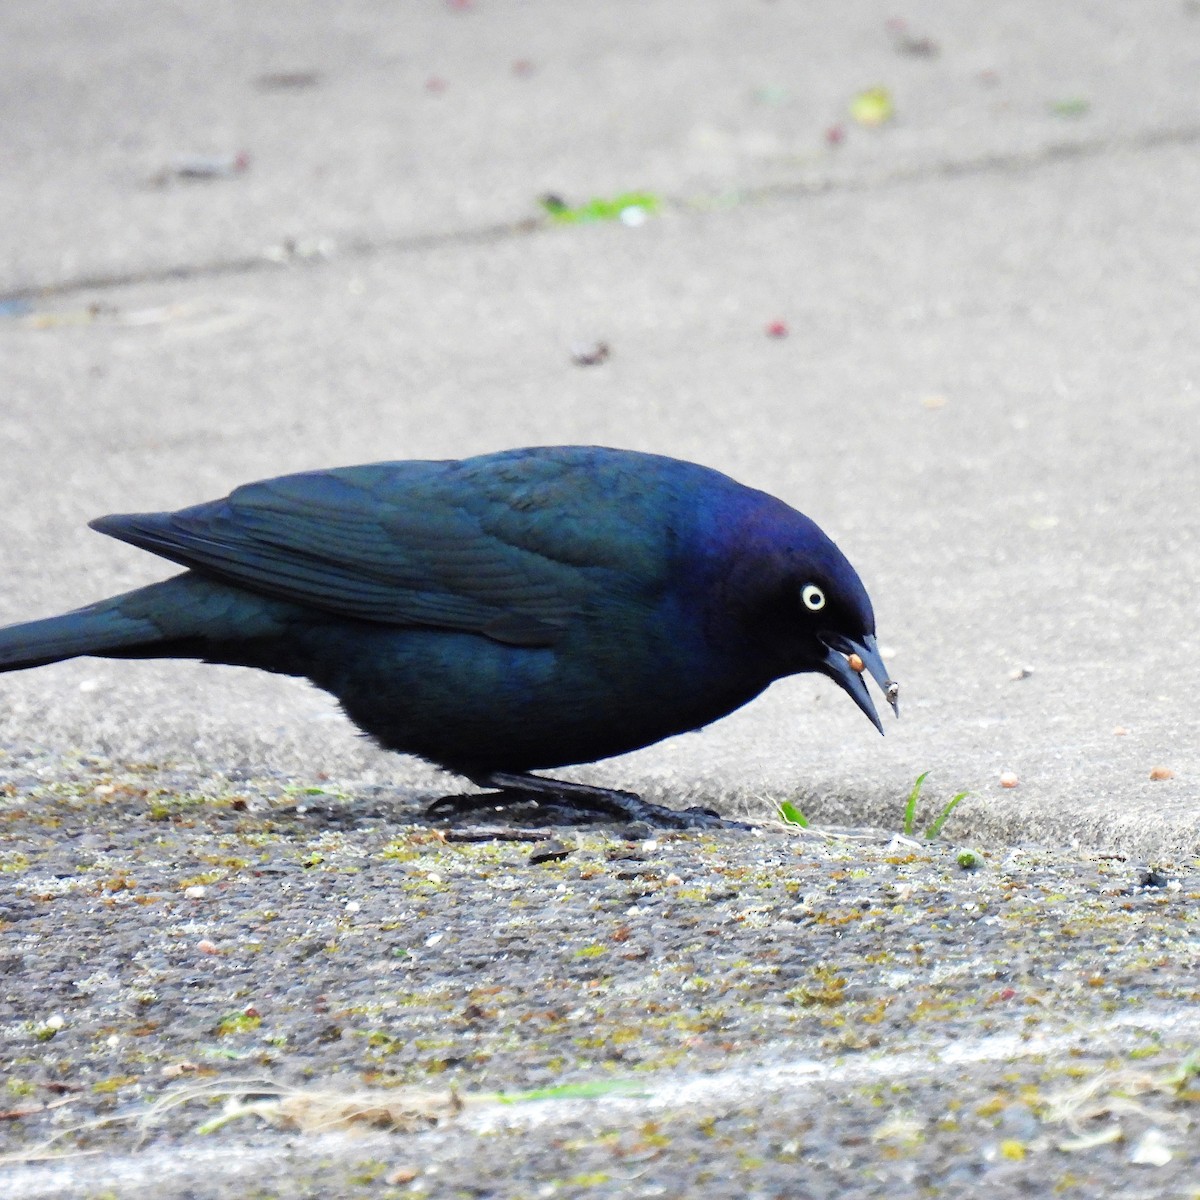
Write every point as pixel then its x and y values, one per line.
pixel 988 390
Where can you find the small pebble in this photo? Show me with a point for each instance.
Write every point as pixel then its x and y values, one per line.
pixel 278 81
pixel 1008 780
pixel 777 329
pixel 548 851
pixel 856 663
pixel 1151 1149
pixel 1158 773
pixel 907 42
pixel 591 354
pixel 204 166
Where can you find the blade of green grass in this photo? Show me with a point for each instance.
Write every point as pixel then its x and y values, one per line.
pixel 936 827
pixel 789 813
pixel 576 1091
pixel 910 809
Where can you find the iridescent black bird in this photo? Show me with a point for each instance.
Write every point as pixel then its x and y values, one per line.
pixel 500 614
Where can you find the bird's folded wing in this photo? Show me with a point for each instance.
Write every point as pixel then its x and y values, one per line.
pixel 392 543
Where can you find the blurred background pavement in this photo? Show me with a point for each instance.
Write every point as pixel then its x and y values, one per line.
pixel 930 277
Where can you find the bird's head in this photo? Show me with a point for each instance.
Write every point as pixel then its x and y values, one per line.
pixel 813 609
pixel 847 644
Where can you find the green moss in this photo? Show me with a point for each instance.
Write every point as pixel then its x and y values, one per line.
pixel 107 1086
pixel 238 1023
pixel 368 1172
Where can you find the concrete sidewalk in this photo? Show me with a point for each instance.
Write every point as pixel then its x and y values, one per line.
pixel 989 393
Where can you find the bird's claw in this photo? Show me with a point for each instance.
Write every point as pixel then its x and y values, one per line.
pixel 574 803
pixel 460 805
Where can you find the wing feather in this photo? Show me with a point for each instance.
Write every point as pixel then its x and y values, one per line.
pixel 406 543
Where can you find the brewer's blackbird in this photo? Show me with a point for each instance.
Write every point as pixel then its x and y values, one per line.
pixel 500 614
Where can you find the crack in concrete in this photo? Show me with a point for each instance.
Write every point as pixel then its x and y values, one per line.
pixel 318 250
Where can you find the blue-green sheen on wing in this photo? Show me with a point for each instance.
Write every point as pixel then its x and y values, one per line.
pixel 506 548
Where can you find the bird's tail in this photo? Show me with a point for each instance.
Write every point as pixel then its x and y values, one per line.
pixel 178 618
pixel 99 629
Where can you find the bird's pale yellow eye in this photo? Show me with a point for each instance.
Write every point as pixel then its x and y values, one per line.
pixel 813 597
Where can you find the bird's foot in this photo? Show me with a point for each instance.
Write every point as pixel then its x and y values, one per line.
pixel 577 803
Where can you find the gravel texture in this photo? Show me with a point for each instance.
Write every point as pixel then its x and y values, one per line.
pixel 772 1013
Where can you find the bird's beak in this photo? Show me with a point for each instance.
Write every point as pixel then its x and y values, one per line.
pixel 836 664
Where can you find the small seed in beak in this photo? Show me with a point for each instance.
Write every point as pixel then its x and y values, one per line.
pixel 856 663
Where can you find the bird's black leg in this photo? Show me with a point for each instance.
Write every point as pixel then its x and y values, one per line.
pixel 578 799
